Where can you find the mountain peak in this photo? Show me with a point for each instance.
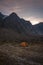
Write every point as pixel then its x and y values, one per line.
pixel 13 14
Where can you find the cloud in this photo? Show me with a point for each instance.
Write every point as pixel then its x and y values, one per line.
pixel 27 5
pixel 34 20
pixel 29 9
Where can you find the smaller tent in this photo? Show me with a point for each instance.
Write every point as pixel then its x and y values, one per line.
pixel 23 44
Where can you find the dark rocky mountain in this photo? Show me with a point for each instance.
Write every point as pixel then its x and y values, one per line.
pixel 13 27
pixel 17 24
pixel 39 28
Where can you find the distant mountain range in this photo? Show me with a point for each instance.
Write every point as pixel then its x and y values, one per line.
pixel 14 27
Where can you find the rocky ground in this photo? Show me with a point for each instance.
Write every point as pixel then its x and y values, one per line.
pixel 15 55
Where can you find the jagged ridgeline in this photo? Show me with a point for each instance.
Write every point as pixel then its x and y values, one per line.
pixel 14 28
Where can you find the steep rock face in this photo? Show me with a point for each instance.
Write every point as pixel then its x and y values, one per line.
pixel 11 21
pixel 17 24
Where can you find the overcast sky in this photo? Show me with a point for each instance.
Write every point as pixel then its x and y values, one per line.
pixel 28 9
